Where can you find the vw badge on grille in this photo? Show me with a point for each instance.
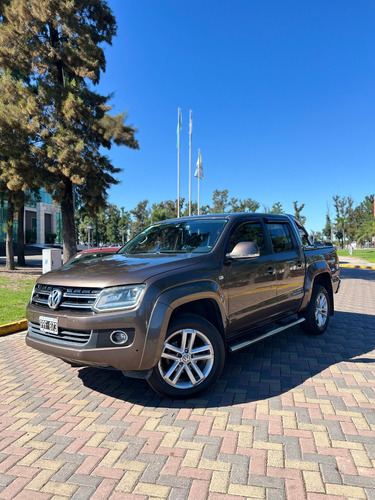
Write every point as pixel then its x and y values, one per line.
pixel 54 298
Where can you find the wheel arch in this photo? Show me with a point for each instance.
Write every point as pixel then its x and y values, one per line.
pixel 318 276
pixel 203 298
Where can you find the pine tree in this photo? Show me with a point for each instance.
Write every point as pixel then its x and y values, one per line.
pixel 57 46
pixel 18 170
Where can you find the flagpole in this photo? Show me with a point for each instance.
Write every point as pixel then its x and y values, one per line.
pixel 199 155
pixel 178 161
pixel 190 134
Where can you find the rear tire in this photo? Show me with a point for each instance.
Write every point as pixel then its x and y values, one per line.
pixel 317 315
pixel 192 358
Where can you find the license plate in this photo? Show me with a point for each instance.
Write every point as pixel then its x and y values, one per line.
pixel 48 325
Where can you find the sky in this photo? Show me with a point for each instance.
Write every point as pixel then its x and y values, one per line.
pixel 282 94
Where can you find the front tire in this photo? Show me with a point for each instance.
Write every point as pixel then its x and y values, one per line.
pixel 317 315
pixel 192 358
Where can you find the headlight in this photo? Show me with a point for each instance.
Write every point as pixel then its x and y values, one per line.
pixel 119 297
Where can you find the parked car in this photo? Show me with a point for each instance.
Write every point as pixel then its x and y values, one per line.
pixel 91 254
pixel 175 299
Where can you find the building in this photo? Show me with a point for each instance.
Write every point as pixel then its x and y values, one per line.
pixel 42 221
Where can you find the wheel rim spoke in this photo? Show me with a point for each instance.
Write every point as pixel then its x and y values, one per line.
pixel 190 375
pixel 178 374
pixel 192 340
pixel 198 371
pixel 169 373
pixel 203 348
pixel 184 340
pixel 171 347
pixel 166 355
pixel 202 357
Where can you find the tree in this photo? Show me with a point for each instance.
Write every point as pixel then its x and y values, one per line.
pixel 298 210
pixel 219 201
pixel 344 212
pixel 327 230
pixel 124 224
pixel 18 164
pixel 277 208
pixel 58 45
pixel 165 210
pixel 364 215
pixel 248 205
pixel 141 214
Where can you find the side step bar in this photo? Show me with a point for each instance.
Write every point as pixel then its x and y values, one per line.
pixel 246 343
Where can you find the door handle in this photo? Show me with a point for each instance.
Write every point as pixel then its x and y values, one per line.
pixel 270 270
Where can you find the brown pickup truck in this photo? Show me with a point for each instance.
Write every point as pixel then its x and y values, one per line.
pixel 173 301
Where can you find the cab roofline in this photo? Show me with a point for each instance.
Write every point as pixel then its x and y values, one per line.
pixel 229 216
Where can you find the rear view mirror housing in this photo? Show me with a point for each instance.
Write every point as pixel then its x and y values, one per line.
pixel 244 250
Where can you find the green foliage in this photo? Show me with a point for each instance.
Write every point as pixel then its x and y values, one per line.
pixel 277 208
pixel 141 217
pixel 111 225
pixel 298 210
pixel 327 230
pixel 219 202
pixel 344 218
pixel 50 51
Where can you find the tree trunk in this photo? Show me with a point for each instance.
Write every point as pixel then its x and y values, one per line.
pixel 9 266
pixel 21 237
pixel 68 225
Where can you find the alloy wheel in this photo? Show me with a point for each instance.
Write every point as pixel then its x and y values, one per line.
pixel 187 359
pixel 321 310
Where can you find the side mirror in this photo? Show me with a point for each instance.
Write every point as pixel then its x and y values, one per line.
pixel 244 250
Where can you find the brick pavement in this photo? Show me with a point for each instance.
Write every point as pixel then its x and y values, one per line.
pixel 290 418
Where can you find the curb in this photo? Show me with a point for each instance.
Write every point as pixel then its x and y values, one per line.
pixel 16 326
pixel 357 267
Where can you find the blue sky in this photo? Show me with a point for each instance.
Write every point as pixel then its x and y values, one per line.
pixel 282 93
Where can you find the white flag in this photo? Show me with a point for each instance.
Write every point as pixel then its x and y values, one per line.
pixel 199 169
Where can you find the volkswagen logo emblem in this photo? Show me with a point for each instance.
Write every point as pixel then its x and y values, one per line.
pixel 54 298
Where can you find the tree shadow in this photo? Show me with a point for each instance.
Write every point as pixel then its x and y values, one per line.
pixel 266 369
pixel 360 274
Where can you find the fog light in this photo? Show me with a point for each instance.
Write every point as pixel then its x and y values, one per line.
pixel 119 337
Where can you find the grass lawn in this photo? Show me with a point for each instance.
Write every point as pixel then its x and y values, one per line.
pixel 15 292
pixel 367 254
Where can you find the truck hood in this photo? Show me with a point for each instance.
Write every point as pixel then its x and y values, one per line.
pixel 117 270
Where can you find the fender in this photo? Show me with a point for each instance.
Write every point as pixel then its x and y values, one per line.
pixel 162 311
pixel 315 269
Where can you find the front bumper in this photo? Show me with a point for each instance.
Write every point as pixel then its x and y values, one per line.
pixel 85 339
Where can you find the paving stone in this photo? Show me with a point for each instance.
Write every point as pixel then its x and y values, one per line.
pixel 288 413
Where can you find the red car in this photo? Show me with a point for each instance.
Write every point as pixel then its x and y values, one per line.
pixel 93 253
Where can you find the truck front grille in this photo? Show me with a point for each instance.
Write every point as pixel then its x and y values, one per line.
pixel 72 299
pixel 63 337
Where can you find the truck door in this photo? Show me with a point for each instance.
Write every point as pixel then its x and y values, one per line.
pixel 250 283
pixel 289 262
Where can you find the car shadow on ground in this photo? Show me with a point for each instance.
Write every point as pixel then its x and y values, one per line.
pixel 265 370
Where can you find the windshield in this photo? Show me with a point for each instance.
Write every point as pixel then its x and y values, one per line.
pixel 198 236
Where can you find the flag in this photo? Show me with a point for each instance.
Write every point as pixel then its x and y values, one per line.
pixel 179 127
pixel 191 123
pixel 199 169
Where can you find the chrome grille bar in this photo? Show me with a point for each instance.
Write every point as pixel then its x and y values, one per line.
pixel 73 298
